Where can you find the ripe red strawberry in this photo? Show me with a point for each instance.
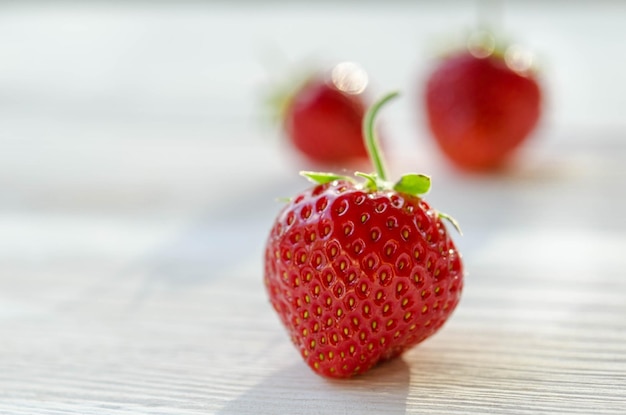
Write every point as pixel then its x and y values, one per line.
pixel 360 272
pixel 481 106
pixel 323 117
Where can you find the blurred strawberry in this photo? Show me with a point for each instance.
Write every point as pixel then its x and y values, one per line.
pixel 322 117
pixel 482 103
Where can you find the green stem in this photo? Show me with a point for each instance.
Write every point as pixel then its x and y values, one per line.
pixel 370 137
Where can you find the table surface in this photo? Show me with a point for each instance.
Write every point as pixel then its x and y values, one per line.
pixel 137 186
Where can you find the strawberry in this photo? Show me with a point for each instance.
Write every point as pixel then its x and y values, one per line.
pixel 361 270
pixel 323 117
pixel 482 104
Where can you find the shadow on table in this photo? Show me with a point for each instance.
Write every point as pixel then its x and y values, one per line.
pixel 382 390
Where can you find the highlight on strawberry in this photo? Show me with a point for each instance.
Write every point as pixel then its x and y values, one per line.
pixel 483 102
pixel 360 269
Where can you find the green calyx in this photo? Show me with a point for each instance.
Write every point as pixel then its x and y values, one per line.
pixel 412 183
pixel 323 177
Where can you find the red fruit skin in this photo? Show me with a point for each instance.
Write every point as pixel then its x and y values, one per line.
pixel 359 277
pixel 479 110
pixel 324 123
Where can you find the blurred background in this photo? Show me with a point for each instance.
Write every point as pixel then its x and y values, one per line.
pixel 122 123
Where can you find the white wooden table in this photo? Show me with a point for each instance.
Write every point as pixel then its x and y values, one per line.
pixel 137 187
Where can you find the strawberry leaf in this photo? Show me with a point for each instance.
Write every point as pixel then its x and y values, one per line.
pixel 452 221
pixel 323 178
pixel 413 184
pixel 371 180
